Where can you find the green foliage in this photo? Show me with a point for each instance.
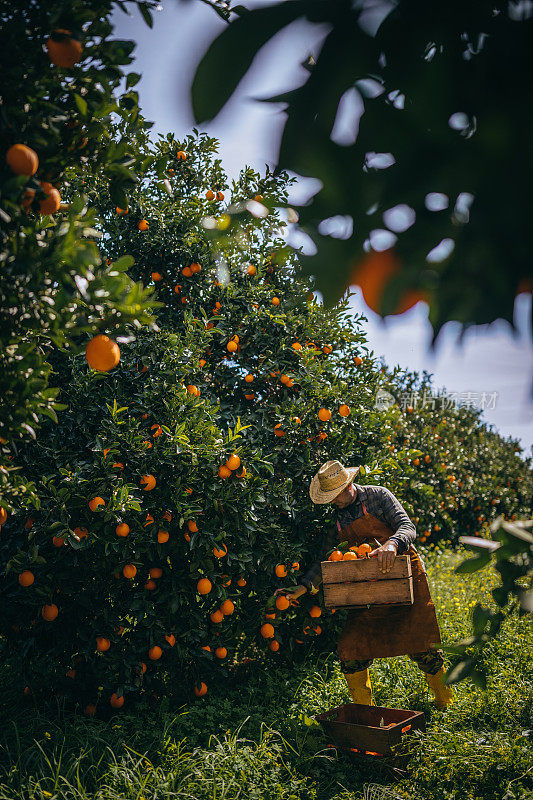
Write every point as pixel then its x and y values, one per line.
pixel 441 87
pixel 513 556
pixel 255 722
pixel 176 407
pixel 55 290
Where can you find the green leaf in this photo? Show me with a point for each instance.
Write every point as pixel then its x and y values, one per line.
pixel 81 104
pixel 472 565
pixel 146 15
pixel 236 48
pixel 132 79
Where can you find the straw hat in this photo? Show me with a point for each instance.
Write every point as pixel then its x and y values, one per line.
pixel 330 480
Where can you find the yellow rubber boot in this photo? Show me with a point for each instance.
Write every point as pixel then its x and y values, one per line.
pixel 443 693
pixel 360 687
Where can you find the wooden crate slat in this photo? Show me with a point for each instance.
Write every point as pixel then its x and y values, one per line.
pixel 364 569
pixel 344 595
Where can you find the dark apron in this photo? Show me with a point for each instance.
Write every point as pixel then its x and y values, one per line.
pixel 381 631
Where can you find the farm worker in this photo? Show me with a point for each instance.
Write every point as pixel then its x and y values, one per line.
pixel 367 513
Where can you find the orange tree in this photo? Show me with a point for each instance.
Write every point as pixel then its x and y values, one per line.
pixel 454 471
pixel 174 493
pixel 61 74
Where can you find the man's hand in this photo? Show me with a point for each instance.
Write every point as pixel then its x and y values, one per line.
pixel 385 555
pixel 292 594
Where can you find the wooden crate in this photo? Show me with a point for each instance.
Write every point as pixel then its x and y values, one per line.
pixel 353 584
pixel 357 727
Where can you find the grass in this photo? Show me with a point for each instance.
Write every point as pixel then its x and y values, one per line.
pixel 256 740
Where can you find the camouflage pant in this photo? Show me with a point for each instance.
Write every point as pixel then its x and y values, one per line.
pixel 429 661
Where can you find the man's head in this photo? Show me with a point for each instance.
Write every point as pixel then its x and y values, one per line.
pixel 330 482
pixel 346 497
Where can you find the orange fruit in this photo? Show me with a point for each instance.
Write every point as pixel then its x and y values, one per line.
pixel 357 360
pixel 96 502
pixel 251 270
pixel 344 410
pixel 195 267
pixel 122 529
pixel 231 347
pixel 116 702
pixel 204 586
pixel 193 390
pixel 81 533
pixel 102 644
pixel 241 582
pixel 274 645
pixel 181 155
pixel 157 430
pixel 250 396
pixel 186 537
pixel 89 710
pixel 427 459
pixel 58 541
pixel 410 409
pixel 201 690
pixel 129 571
pixel 186 272
pixel 121 210
pixel 148 482
pixel 49 612
pixel 278 430
pixel 337 555
pixel 171 639
pixel 281 602
pixel 206 647
pixel 416 461
pixel 216 616
pixel 267 630
pixel 220 552
pixel 220 196
pixel 168 515
pixel 210 195
pixel 22 160
pixel 143 225
pixel 221 652
pixel 280 570
pixel 52 200
pixel 156 276
pixel 249 378
pixel 193 527
pixel 275 301
pixel 227 607
pixel 296 565
pixel 102 353
pixel 223 471
pixel 324 414
pixel 155 652
pixel 162 537
pixel 363 550
pixel 349 556
pixel 63 50
pixel 233 462
pixel 315 611
pixel 296 346
pixel 156 572
pixel 26 578
pixel 372 273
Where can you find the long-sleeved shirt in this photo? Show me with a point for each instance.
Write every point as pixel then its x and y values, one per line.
pixel 378 501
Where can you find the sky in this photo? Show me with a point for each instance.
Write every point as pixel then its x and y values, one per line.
pixel 492 366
